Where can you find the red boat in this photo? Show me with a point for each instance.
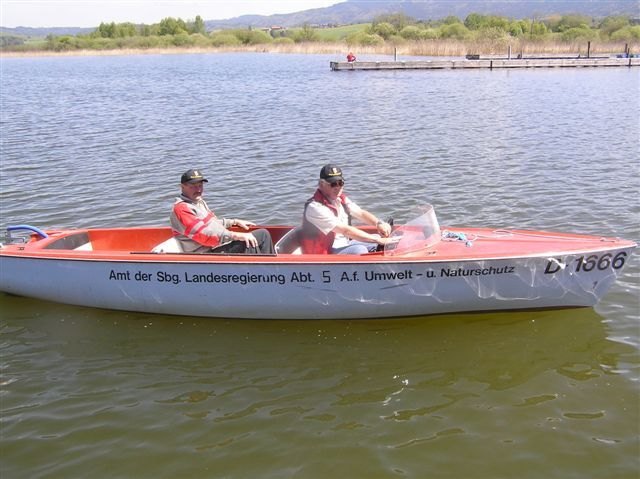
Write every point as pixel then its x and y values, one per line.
pixel 429 270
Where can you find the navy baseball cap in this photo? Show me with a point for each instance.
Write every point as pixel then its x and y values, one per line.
pixel 192 176
pixel 331 173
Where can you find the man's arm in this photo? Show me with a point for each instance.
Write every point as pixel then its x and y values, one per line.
pixel 369 218
pixel 207 232
pixel 355 233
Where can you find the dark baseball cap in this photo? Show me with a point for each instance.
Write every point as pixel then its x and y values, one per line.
pixel 331 173
pixel 192 176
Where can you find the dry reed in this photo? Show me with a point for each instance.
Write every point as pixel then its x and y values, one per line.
pixel 436 48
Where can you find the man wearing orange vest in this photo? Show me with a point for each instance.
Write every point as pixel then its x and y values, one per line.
pixel 198 229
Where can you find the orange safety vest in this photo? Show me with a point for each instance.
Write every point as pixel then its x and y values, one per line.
pixel 195 226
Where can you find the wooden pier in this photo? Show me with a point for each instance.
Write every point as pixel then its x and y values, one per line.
pixel 489 64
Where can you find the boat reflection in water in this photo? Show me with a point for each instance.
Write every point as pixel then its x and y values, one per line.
pixel 519 381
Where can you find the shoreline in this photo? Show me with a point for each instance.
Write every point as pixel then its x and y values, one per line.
pixel 284 49
pixel 432 49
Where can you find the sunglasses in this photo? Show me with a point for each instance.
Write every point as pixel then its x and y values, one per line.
pixel 339 183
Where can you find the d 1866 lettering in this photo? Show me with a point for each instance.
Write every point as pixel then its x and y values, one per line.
pixel 588 263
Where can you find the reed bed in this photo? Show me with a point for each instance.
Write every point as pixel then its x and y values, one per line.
pixel 450 48
pixel 435 48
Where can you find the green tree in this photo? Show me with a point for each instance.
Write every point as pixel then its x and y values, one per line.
pixel 183 40
pixel 571 21
pixel 146 30
pixel 411 32
pixel 450 20
pixel 538 29
pixel 627 34
pixel 222 39
pixel 251 37
pixel 454 30
pixel 105 30
pixel 474 21
pixel 579 34
pixel 398 20
pixel 517 29
pixel 172 26
pixel 612 24
pixel 430 34
pixel 364 39
pixel 500 23
pixel 127 29
pixel 63 43
pixel 11 40
pixel 305 34
pixel 384 29
pixel 198 26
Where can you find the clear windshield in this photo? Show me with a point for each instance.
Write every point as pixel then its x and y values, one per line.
pixel 421 232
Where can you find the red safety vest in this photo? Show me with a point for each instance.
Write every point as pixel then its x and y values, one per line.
pixel 312 240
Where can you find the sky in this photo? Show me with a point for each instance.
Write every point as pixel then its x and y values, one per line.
pixel 90 13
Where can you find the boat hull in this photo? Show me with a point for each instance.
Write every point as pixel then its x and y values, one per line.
pixel 312 289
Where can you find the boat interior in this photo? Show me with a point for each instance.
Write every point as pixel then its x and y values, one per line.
pixel 146 239
pixel 414 241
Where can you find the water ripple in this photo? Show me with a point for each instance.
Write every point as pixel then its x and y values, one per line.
pixel 100 141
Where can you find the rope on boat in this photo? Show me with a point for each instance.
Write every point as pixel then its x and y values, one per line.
pixel 454 236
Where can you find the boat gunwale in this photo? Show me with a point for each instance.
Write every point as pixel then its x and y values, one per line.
pixel 290 259
pixel 37 249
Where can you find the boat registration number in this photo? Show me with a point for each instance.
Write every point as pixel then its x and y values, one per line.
pixel 588 263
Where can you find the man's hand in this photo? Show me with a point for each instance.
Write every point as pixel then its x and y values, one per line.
pixel 248 239
pixel 384 228
pixel 245 225
pixel 386 241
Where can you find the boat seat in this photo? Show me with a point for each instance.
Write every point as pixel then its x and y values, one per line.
pixel 171 245
pixel 290 242
pixel 84 247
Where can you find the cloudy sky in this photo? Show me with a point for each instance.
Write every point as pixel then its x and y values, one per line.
pixel 90 13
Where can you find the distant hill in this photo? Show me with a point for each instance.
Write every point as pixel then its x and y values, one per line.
pixel 43 32
pixel 362 11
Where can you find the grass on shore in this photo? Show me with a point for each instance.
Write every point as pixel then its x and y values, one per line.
pixel 436 48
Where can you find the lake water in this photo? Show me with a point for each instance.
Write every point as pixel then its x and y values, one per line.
pixel 102 141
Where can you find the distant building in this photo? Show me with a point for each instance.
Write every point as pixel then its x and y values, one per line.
pixel 275 30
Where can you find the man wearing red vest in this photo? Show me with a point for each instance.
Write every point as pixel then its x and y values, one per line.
pixel 198 229
pixel 326 222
